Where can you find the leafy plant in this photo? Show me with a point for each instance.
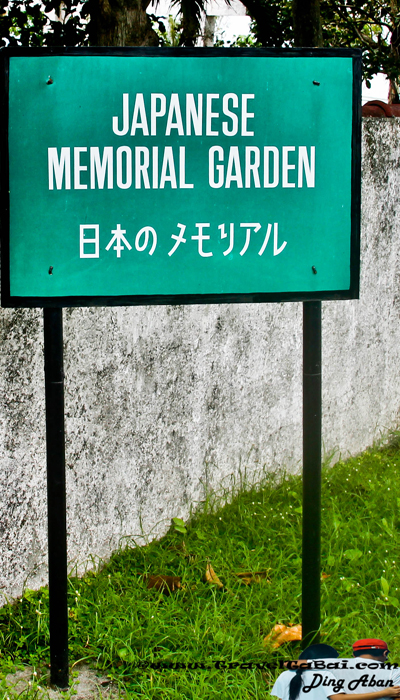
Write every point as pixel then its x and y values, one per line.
pixel 179 525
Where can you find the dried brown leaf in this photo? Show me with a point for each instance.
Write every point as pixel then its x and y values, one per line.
pixel 211 576
pixel 164 584
pixel 280 634
pixel 248 577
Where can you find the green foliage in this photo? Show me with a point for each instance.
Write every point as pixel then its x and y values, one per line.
pixel 373 25
pixel 117 622
pixel 170 35
pixel 242 41
pixel 273 22
pixel 47 23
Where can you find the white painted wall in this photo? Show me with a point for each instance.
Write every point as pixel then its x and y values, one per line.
pixel 164 402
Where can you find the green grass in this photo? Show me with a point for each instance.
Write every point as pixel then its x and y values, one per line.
pixel 116 622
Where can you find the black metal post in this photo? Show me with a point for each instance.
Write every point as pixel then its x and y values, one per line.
pixel 312 418
pixel 56 495
pixel 308 32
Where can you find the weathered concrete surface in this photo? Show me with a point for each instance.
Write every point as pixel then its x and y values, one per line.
pixel 163 403
pixel 361 391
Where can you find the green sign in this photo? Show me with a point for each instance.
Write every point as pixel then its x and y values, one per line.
pixel 168 176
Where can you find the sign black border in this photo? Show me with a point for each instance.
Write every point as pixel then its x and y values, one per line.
pixel 9 301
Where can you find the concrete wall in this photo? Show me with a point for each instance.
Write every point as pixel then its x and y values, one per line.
pixel 165 402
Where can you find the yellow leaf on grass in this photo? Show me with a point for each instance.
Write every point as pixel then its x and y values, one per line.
pixel 211 576
pixel 280 634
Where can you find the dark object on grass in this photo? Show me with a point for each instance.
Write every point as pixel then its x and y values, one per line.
pixel 164 584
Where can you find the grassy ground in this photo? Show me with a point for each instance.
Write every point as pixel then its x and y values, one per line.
pixel 117 622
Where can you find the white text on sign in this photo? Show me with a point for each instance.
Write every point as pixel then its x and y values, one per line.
pixel 146 239
pixel 82 168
